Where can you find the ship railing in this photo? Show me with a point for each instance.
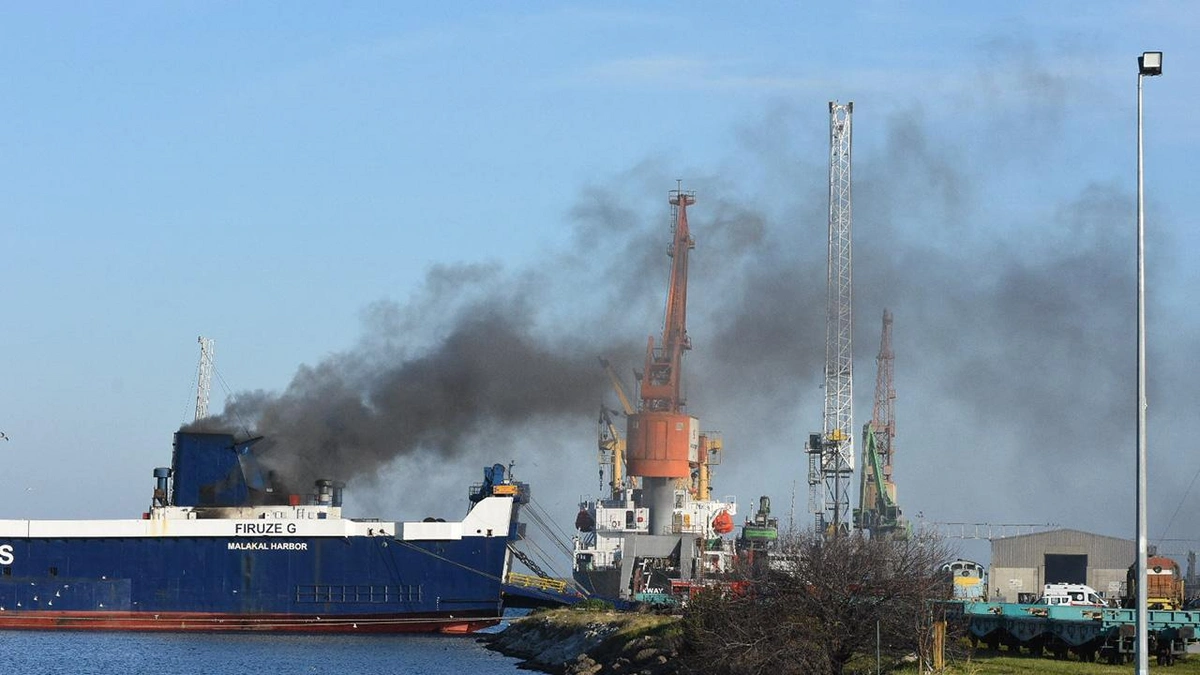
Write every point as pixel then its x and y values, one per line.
pixel 540 583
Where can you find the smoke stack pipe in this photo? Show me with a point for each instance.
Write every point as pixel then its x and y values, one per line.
pixel 324 492
pixel 162 473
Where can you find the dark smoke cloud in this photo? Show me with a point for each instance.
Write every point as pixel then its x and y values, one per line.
pixel 487 367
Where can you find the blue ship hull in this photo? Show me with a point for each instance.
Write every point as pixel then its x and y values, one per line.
pixel 227 583
pixel 279 567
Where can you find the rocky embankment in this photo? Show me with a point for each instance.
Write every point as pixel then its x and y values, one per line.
pixel 574 642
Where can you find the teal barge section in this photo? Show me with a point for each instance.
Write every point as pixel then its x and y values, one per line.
pixel 1090 633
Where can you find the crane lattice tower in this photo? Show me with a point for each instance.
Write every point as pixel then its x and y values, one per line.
pixel 204 376
pixel 831 455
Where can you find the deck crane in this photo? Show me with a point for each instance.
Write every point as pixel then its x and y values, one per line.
pixel 831 452
pixel 877 510
pixel 612 454
pixel 664 441
pixel 626 406
pixel 611 443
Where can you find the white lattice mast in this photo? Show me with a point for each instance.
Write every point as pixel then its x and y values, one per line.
pixel 204 376
pixel 831 455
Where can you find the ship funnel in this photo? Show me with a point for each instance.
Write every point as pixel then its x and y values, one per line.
pixel 339 489
pixel 161 474
pixel 324 492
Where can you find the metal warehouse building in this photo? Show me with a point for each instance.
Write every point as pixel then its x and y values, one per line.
pixel 1021 565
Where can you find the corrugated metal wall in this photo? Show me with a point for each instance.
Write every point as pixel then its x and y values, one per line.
pixel 1018 563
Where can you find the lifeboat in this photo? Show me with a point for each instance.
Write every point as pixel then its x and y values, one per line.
pixel 722 523
pixel 584 521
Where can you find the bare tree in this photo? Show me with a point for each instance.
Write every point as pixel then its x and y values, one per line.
pixel 818 607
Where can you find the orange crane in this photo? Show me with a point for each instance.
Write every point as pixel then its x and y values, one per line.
pixel 661 382
pixel 663 442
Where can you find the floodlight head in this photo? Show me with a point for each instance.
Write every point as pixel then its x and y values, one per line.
pixel 1150 63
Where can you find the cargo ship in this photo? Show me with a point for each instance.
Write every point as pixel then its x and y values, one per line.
pixel 222 549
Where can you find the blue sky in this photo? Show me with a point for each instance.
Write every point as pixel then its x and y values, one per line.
pixel 265 173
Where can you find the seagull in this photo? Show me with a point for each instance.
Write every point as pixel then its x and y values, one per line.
pixel 3 436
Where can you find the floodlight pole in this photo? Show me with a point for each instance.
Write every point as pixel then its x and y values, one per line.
pixel 1149 63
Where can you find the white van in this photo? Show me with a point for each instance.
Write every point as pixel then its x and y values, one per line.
pixel 1077 595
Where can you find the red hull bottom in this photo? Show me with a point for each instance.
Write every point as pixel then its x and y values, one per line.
pixel 222 623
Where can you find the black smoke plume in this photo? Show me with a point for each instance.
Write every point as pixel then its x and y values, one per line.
pixel 487 367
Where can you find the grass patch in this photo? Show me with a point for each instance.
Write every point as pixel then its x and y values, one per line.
pixel 593 605
pixel 627 623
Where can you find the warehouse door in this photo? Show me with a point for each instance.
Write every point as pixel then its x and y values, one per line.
pixel 1066 569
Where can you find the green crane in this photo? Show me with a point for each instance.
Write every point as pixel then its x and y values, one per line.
pixel 878 512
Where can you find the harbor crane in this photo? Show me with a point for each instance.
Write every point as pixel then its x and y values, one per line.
pixel 831 452
pixel 665 448
pixel 663 440
pixel 878 512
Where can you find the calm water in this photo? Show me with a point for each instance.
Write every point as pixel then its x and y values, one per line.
pixel 38 653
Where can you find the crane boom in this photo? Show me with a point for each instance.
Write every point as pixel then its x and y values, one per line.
pixel 204 376
pixel 662 388
pixel 617 387
pixel 612 454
